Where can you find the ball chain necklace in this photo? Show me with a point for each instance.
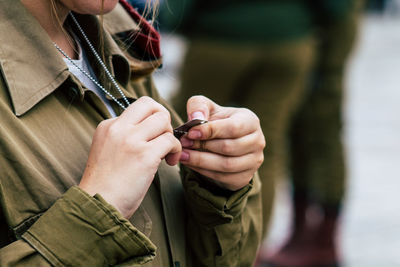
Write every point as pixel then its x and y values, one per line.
pixel 122 105
pixel 178 132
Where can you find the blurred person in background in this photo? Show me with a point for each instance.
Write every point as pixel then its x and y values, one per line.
pixel 317 161
pixel 286 61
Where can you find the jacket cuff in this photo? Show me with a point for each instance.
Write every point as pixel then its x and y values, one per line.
pixel 80 229
pixel 210 206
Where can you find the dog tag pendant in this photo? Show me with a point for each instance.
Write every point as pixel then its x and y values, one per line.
pixel 184 128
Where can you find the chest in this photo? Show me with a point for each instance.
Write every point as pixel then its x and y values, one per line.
pixel 44 152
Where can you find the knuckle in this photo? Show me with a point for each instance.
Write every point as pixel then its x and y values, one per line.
pixel 158 105
pixel 236 128
pixel 165 120
pixel 260 160
pixel 131 145
pixel 255 118
pixel 161 109
pixel 160 116
pixel 167 116
pixel 227 147
pixel 209 131
pixel 228 164
pixel 251 116
pixel 171 142
pixel 152 103
pixel 195 159
pixel 113 131
pixel 103 126
pixel 146 99
pixel 262 143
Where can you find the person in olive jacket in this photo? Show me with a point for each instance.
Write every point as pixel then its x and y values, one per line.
pixel 89 163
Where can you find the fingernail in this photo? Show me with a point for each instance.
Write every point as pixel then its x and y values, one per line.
pixel 198 115
pixel 194 134
pixel 184 156
pixel 186 142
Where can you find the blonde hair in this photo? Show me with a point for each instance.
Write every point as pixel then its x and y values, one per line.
pixel 151 9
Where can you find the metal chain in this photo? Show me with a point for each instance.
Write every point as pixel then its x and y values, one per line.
pixel 101 63
pixel 90 77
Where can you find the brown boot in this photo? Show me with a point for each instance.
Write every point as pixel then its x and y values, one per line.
pixel 310 245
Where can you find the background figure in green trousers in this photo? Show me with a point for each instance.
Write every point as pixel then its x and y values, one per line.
pixel 286 61
pixel 317 161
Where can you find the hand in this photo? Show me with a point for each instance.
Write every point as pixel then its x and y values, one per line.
pixel 228 149
pixel 126 152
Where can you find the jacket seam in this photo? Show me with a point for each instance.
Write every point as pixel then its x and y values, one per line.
pixel 41 249
pixel 124 227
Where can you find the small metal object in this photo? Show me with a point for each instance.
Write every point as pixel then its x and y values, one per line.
pixel 184 128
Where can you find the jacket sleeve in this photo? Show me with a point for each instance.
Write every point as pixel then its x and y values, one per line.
pixel 79 228
pixel 224 228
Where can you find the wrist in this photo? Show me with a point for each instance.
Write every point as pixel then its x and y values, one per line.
pixel 121 205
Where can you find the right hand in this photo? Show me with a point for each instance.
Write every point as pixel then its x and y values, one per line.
pixel 126 152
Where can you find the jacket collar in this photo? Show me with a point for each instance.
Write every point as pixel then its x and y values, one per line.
pixel 31 66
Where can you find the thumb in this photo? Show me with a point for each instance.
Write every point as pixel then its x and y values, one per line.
pixel 200 107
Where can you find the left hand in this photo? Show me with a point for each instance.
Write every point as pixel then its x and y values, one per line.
pixel 228 149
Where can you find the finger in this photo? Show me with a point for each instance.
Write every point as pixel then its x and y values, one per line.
pixel 140 109
pixel 200 107
pixel 153 126
pixel 172 158
pixel 215 162
pixel 105 125
pixel 233 181
pixel 227 147
pixel 232 127
pixel 165 144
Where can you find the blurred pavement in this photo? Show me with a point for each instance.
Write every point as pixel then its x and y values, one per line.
pixel 371 229
pixel 370 234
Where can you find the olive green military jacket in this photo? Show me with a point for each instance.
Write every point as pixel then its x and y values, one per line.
pixel 47 120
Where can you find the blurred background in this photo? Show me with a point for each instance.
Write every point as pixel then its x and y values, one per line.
pixel 368 229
